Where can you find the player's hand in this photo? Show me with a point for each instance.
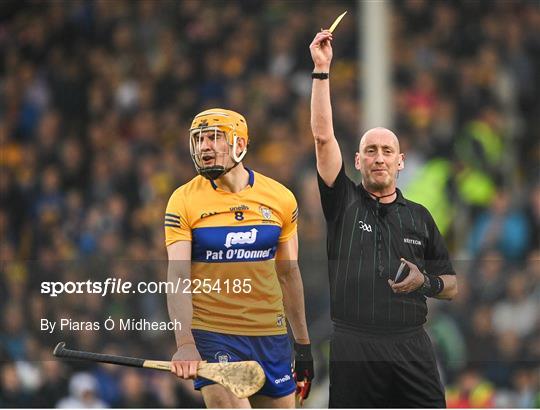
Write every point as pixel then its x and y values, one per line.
pixel 321 51
pixel 413 281
pixel 185 361
pixel 303 370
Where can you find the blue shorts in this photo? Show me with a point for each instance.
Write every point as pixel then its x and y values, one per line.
pixel 273 353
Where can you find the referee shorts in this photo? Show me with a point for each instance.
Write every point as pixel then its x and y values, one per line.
pixel 396 370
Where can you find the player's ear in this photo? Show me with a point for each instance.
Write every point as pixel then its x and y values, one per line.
pixel 401 162
pixel 357 161
pixel 240 145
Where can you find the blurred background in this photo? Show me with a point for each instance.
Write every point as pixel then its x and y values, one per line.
pixel 96 101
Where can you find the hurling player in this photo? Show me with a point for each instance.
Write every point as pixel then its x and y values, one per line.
pixel 232 243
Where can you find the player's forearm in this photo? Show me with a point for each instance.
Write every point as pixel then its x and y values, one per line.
pixel 293 302
pixel 450 289
pixel 179 305
pixel 321 111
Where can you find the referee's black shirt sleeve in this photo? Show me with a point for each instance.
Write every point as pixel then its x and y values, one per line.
pixel 334 199
pixel 436 254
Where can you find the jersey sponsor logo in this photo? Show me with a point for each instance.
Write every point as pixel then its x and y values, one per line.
pixel 265 212
pixel 207 214
pixel 412 241
pixel 364 226
pixel 225 244
pixel 284 379
pixel 241 238
pixel 240 254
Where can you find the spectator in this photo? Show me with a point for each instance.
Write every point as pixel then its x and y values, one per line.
pixel 490 281
pixel 12 393
pixel 82 393
pixel 519 311
pixel 471 391
pixel 54 385
pixel 133 391
pixel 503 228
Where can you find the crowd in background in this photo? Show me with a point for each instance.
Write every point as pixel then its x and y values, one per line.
pixel 96 103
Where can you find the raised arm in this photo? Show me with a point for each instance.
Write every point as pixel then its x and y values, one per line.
pixel 326 146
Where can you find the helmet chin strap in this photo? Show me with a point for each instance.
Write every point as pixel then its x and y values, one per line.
pixel 237 158
pixel 213 172
pixel 216 171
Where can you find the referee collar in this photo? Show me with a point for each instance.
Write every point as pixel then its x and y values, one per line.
pixel 399 198
pixel 251 180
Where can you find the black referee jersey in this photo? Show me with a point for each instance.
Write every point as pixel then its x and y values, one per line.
pixel 365 241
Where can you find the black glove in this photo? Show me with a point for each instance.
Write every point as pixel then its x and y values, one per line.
pixel 303 370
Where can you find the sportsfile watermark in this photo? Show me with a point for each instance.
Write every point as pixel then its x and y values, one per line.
pixel 119 286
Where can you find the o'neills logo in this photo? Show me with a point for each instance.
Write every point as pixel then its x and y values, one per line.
pixel 284 379
pixel 412 241
pixel 239 208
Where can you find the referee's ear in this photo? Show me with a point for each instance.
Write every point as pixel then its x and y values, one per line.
pixel 357 160
pixel 401 163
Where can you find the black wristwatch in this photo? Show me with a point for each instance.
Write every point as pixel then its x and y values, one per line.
pixel 320 76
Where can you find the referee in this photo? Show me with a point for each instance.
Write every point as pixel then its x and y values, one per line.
pixel 380 354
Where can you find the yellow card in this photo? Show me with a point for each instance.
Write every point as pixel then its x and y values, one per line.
pixel 336 22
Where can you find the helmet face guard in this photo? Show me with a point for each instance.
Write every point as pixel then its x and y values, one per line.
pixel 209 163
pixel 217 124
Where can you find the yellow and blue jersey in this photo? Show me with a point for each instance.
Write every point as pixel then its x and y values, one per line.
pixel 234 239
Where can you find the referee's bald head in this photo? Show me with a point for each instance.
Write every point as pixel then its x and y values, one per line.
pixel 379 133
